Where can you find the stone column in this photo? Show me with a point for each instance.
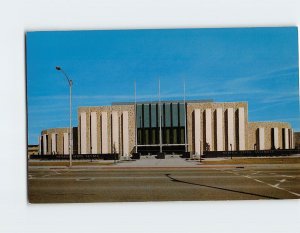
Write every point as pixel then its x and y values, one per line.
pixel 125 134
pixel 53 143
pixel 94 132
pixel 197 130
pixel 208 137
pixel 66 143
pixel 292 139
pixel 104 133
pixel 40 145
pixel 241 112
pixel 230 128
pixel 83 136
pixel 286 138
pixel 45 144
pixel 276 144
pixel 219 114
pixel 115 132
pixel 261 135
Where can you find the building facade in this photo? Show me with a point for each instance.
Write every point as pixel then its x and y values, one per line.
pixel 56 141
pixel 167 126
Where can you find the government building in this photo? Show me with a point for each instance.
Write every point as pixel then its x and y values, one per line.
pixel 167 126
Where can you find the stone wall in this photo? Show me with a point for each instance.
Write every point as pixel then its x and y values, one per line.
pixel 191 107
pixel 253 134
pixel 297 140
pixel 99 110
pixel 60 134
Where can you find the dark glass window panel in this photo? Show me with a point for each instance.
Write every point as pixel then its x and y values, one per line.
pixel 182 114
pixel 174 135
pixel 174 114
pixel 153 116
pixel 153 136
pixel 139 115
pixel 159 116
pixel 181 135
pixel 167 115
pixel 146 116
pixel 157 136
pixel 168 135
pixel 139 136
pixel 146 137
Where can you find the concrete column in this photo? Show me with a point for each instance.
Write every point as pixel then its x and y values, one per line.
pixel 230 128
pixel 276 144
pixel 94 132
pixel 286 138
pixel 220 146
pixel 241 112
pixel 53 143
pixel 83 136
pixel 45 144
pixel 197 130
pixel 292 139
pixel 104 133
pixel 66 143
pixel 208 135
pixel 40 145
pixel 115 131
pixel 125 134
pixel 261 135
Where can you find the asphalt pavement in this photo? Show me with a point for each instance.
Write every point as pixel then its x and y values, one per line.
pixel 195 183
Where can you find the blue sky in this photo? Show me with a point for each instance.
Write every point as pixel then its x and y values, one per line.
pixel 258 65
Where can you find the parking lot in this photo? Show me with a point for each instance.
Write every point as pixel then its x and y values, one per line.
pixel 119 183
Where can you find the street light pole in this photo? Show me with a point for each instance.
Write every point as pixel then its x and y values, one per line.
pixel 135 109
pixel 185 116
pixel 70 130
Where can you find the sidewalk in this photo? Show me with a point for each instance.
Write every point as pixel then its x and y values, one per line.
pixel 173 162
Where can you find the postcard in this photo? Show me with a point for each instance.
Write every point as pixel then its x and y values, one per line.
pixel 163 115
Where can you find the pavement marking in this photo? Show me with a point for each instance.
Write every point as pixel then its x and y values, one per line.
pixel 276 186
pixel 288 176
pixel 53 173
pixel 85 179
pixel 254 173
pixel 258 180
pixel 280 181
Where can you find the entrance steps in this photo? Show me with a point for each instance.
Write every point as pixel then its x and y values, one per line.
pixel 166 157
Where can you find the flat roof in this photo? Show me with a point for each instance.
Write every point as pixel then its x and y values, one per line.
pixel 164 101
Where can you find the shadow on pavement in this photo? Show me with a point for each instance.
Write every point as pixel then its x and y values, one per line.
pixel 224 189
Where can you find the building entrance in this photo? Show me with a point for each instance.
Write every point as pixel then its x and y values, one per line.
pixel 162 123
pixel 154 150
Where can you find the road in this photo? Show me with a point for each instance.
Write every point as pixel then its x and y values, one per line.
pixel 59 185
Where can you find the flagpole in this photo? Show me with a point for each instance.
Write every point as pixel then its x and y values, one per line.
pixel 184 104
pixel 160 136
